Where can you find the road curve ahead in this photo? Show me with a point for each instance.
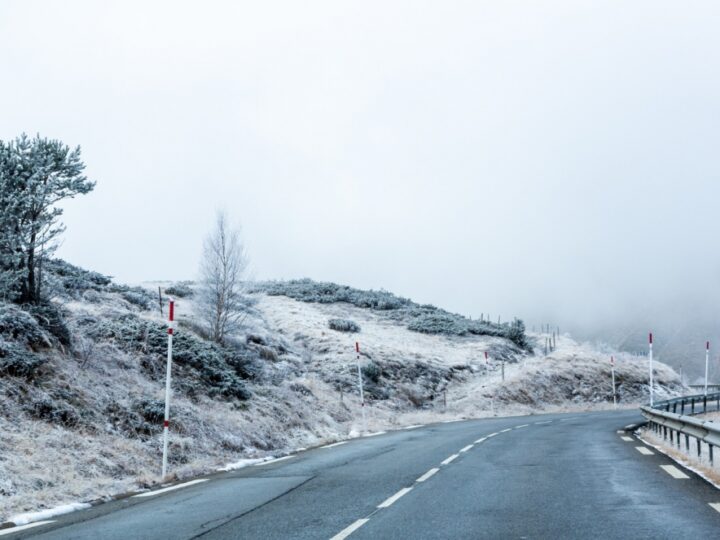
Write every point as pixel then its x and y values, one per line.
pixel 549 476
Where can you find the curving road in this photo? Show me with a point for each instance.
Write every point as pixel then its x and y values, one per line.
pixel 549 476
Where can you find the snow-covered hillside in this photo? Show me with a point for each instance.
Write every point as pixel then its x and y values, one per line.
pixel 82 381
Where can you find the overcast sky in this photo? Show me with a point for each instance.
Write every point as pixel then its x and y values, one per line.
pixel 551 160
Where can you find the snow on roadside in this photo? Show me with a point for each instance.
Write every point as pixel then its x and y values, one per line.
pixel 30 517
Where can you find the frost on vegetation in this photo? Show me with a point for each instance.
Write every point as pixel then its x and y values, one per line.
pixel 221 370
pixel 425 318
pixel 181 289
pixel 343 325
pixel 21 327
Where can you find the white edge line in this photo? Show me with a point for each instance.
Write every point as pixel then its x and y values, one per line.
pixel 715 506
pixel 413 427
pixel 644 451
pixel 465 449
pixel 334 444
pixel 448 460
pixel 268 462
pixel 19 528
pixel 171 488
pixel 390 500
pixel 347 531
pixel 375 434
pixel 427 474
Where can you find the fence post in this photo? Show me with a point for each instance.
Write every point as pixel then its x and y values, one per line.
pixel 168 376
pixel 360 383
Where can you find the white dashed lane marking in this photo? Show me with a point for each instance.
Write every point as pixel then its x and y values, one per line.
pixel 505 430
pixel 521 426
pixel 491 435
pixel 347 531
pixel 391 500
pixel 673 471
pixel 544 422
pixel 465 449
pixel 644 451
pixel 171 488
pixel 480 440
pixel 715 506
pixel 626 439
pixel 448 460
pixel 427 474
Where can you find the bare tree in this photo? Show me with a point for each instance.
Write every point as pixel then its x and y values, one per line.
pixel 222 269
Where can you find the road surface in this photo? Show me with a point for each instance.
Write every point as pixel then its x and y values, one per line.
pixel 548 476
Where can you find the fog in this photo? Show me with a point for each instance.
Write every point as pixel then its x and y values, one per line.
pixel 555 161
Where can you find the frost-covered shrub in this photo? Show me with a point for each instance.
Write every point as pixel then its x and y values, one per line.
pixel 18 362
pixel 343 325
pixel 54 411
pixel 306 290
pixel 372 371
pixel 65 278
pixel 139 297
pixel 181 289
pixel 208 362
pixel 19 326
pixel 51 319
pixel 438 324
pixel 516 334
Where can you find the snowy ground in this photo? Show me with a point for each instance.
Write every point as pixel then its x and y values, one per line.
pixel 308 397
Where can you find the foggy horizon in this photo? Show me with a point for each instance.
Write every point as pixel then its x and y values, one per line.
pixel 555 163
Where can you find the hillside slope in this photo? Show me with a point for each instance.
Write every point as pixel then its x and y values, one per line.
pixel 82 380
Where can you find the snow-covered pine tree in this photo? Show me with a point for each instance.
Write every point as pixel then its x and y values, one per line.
pixel 35 175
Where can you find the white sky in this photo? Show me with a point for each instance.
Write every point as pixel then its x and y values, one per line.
pixel 552 160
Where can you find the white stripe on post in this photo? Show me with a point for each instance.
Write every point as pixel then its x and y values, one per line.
pixel 650 358
pixel 166 423
pixel 360 382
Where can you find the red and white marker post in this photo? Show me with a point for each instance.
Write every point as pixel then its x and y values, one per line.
pixel 486 358
pixel 707 363
pixel 612 372
pixel 166 423
pixel 650 358
pixel 360 384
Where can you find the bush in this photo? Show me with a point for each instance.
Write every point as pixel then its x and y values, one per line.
pixel 343 325
pixel 306 290
pixel 181 289
pixel 51 319
pixel 438 323
pixel 516 334
pixel 73 280
pixel 17 362
pixel 140 297
pixel 19 326
pixel 212 365
pixel 372 371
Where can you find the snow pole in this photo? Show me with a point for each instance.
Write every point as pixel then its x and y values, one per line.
pixel 166 423
pixel 650 358
pixel 707 362
pixel 360 384
pixel 612 371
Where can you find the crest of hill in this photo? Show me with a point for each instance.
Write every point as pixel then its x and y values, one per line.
pixel 423 318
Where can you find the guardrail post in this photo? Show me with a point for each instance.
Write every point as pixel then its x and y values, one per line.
pixel 710 447
pixel 705 404
pixel 675 407
pixel 665 432
pixel 671 436
pixel 692 408
pixel 682 407
pixel 687 442
pixel 698 448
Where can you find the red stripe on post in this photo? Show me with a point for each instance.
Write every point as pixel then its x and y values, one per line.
pixel 166 423
pixel 357 347
pixel 172 311
pixel 170 331
pixel 650 338
pixel 707 345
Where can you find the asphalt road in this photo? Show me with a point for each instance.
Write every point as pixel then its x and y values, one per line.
pixel 549 476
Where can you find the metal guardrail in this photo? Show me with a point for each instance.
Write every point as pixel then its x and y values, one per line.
pixel 664 420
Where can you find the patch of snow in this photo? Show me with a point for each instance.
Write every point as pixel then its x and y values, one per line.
pixel 244 463
pixel 30 517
